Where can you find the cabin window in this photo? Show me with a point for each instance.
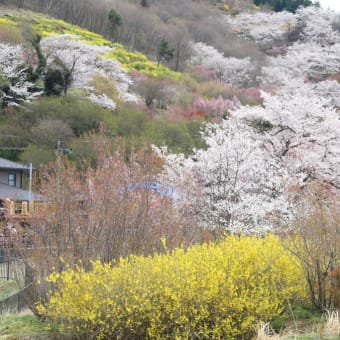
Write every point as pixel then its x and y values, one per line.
pixel 12 180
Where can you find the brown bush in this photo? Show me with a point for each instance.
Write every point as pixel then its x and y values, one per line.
pixel 317 226
pixel 10 34
pixel 95 212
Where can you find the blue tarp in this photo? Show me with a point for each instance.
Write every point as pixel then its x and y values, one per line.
pixel 157 188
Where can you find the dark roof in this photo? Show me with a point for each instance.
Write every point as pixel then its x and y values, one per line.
pixel 7 164
pixel 15 193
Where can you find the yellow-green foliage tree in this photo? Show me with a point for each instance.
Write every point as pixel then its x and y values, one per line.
pixel 209 291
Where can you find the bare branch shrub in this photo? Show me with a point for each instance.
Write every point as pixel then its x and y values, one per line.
pixel 156 92
pixel 96 211
pixel 10 34
pixel 317 226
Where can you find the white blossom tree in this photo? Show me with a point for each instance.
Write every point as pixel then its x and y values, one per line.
pixel 88 61
pixel 236 71
pixel 242 181
pixel 309 61
pixel 316 24
pixel 13 67
pixel 266 29
pixel 235 184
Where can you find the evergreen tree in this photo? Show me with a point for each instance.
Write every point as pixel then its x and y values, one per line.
pixel 58 78
pixel 288 5
pixel 115 20
pixel 165 53
pixel 33 75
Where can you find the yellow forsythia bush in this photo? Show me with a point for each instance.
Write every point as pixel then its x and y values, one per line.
pixel 210 291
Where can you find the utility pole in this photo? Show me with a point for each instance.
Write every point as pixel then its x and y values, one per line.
pixel 30 188
pixel 58 153
pixel 58 201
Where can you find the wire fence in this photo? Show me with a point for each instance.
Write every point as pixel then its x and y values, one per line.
pixel 11 267
pixel 14 303
pixel 12 279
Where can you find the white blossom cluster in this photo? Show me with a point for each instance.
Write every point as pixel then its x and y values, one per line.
pixel 88 61
pixel 233 181
pixel 103 100
pixel 236 71
pixel 254 160
pixel 327 90
pixel 12 61
pixel 265 29
pixel 269 28
pixel 13 68
pixel 314 56
pixel 316 24
pixel 309 61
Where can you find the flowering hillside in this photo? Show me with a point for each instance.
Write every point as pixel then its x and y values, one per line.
pixel 47 62
pixel 89 53
pixel 238 113
pixel 257 158
pixel 270 120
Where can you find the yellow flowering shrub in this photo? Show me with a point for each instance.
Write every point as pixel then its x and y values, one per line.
pixel 210 291
pixel 7 21
pixel 136 61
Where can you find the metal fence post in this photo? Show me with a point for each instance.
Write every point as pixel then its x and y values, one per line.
pixel 7 267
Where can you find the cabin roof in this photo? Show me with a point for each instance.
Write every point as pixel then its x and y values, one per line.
pixel 7 164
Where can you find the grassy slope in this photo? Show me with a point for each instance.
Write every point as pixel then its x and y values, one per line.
pixel 17 26
pixel 21 326
pixel 45 26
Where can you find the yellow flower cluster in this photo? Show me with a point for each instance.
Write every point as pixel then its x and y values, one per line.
pixel 136 61
pixel 210 291
pixel 7 21
pixel 257 8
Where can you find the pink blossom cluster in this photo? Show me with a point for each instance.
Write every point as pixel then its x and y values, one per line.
pixel 215 107
pixel 202 73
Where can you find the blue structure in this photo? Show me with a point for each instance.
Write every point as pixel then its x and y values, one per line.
pixel 158 188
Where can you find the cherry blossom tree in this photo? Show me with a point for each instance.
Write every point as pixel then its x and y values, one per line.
pixel 309 61
pixel 88 61
pixel 236 71
pixel 304 132
pixel 266 29
pixel 315 54
pixel 235 183
pixel 12 61
pixel 253 160
pixel 14 68
pixel 317 25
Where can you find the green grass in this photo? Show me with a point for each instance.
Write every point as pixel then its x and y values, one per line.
pixel 13 326
pixel 7 288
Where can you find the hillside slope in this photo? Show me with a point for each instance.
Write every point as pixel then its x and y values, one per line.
pixel 273 122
